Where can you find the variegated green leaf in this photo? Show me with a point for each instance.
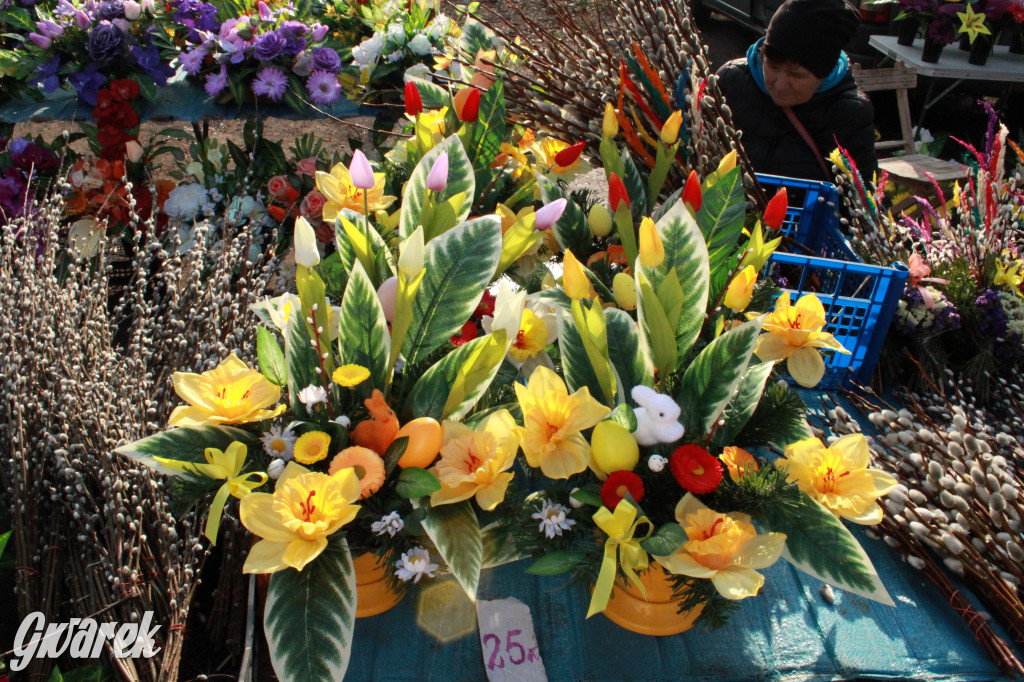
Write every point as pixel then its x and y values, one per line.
pixel 439 393
pixel 632 364
pixel 310 615
pixel 302 361
pixel 432 94
pixel 739 410
pixel 459 266
pixel 721 217
pixel 658 335
pixel 363 338
pixel 460 180
pixel 572 230
pixel 184 443
pixel 482 140
pixel 711 379
pixel 455 532
pixel 636 186
pixel 475 37
pixel 358 236
pixel 576 367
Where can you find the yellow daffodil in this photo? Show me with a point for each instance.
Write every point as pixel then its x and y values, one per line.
pixel 652 251
pixel 294 522
pixel 311 447
pixel 738 461
pixel 350 375
pixel 1009 275
pixel 340 193
pixel 972 23
pixel 552 422
pixel 838 476
pixel 758 251
pixel 723 548
pixel 794 334
pixel 434 122
pixel 531 326
pixel 741 288
pixel 476 462
pixel 511 154
pixel 574 278
pixel 231 393
pixel 534 335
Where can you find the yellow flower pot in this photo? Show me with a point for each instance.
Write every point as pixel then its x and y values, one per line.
pixel 373 594
pixel 657 614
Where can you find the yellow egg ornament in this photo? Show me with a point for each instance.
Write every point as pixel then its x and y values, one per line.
pixel 425 438
pixel 624 290
pixel 613 448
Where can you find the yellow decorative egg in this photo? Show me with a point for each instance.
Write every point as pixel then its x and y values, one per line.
pixel 425 438
pixel 624 290
pixel 613 448
pixel 600 220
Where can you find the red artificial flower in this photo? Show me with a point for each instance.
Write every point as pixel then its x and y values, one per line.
pixel 775 212
pixel 413 101
pixel 306 166
pixel 696 470
pixel 312 207
pixel 278 213
pixel 467 104
pixel 116 115
pixel 691 193
pixel 466 334
pixel 125 89
pixel 617 192
pixel 105 99
pixel 485 307
pixel 278 187
pixel 617 485
pixel 568 156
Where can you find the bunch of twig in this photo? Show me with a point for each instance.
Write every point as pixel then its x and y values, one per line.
pixel 93 535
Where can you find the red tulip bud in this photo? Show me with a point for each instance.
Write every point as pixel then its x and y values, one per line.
pixel 616 192
pixel 467 104
pixel 413 101
pixel 775 212
pixel 691 193
pixel 568 156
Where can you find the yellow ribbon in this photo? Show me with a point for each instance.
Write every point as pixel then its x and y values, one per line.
pixel 620 527
pixel 219 465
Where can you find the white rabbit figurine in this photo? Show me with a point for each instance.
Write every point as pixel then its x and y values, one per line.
pixel 656 417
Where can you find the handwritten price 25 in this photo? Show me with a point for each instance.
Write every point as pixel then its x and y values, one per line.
pixel 517 653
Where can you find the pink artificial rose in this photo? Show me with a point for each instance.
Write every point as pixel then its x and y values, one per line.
pixel 278 187
pixel 306 166
pixel 312 205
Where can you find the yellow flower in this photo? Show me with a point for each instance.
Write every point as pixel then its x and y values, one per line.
pixel 434 121
pixel 670 130
pixel 311 447
pixel 340 193
pixel 838 476
pixel 652 251
pixel 610 123
pixel 295 521
pixel 476 463
pixel 727 163
pixel 350 375
pixel 723 548
pixel 532 338
pixel 972 23
pixel 1010 275
pixel 794 334
pixel 574 279
pixel 738 461
pixel 741 288
pixel 231 393
pixel 758 251
pixel 552 422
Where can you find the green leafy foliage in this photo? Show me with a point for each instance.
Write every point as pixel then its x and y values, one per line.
pixel 665 540
pixel 310 616
pixel 461 182
pixel 555 563
pixel 624 416
pixel 576 367
pixel 184 443
pixel 415 482
pixel 358 240
pixel 626 352
pixel 455 531
pixel 721 217
pixel 739 410
pixel 780 418
pixel 483 139
pixel 635 185
pixel 271 357
pixel 572 230
pixel 363 338
pixel 301 360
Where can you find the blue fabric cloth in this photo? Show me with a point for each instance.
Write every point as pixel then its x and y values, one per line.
pixel 827 83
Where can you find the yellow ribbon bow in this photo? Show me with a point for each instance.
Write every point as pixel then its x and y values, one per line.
pixel 219 465
pixel 620 527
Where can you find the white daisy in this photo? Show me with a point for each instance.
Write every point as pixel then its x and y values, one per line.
pixel 391 524
pixel 554 519
pixel 279 443
pixel 415 564
pixel 311 395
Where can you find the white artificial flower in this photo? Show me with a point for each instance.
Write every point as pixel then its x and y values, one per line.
pixel 367 52
pixel 420 45
pixel 184 201
pixel 396 33
pixel 394 57
pixel 439 27
pixel 554 519
pixel 417 72
pixel 390 523
pixel 656 463
pixel 278 442
pixel 415 564
pixel 311 395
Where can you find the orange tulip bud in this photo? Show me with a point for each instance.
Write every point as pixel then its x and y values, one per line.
pixel 568 156
pixel 775 212
pixel 467 104
pixel 691 193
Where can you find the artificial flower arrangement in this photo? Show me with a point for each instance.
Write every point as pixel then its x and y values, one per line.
pixel 86 45
pixel 27 169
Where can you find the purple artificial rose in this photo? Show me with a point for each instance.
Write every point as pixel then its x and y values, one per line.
pixel 268 46
pixel 106 43
pixel 291 30
pixel 31 155
pixel 12 193
pixel 326 59
pixel 108 10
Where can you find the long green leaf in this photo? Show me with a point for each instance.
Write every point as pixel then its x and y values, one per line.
pixel 636 186
pixel 459 266
pixel 721 217
pixel 301 359
pixel 627 352
pixel 432 395
pixel 484 137
pixel 576 367
pixel 739 410
pixel 455 532
pixel 366 246
pixel 711 379
pixel 658 335
pixel 310 616
pixel 363 338
pixel 460 180
pixel 475 37
pixel 571 230
pixel 271 357
pixel 184 443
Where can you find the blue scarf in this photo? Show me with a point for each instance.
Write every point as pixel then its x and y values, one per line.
pixel 829 82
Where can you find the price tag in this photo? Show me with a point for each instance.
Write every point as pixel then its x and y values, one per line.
pixel 508 642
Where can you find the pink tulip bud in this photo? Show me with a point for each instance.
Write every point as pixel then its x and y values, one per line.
pixel 40 40
pixel 132 10
pixel 548 214
pixel 82 19
pixel 133 150
pixel 437 179
pixel 320 32
pixel 265 14
pixel 361 172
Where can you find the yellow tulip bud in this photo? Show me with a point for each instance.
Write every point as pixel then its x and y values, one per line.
pixel 600 220
pixel 610 125
pixel 613 448
pixel 652 251
pixel 670 131
pixel 624 289
pixel 741 288
pixel 574 279
pixel 410 262
pixel 728 163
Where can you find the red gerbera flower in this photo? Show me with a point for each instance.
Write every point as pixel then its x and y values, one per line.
pixel 485 307
pixel 466 334
pixel 696 470
pixel 617 485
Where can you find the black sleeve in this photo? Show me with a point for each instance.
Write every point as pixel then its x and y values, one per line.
pixel 856 134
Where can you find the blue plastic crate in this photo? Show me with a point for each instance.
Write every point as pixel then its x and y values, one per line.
pixel 859 299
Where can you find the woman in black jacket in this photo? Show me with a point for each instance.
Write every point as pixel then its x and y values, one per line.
pixel 794 98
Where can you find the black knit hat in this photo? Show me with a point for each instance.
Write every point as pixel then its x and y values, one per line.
pixel 812 33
